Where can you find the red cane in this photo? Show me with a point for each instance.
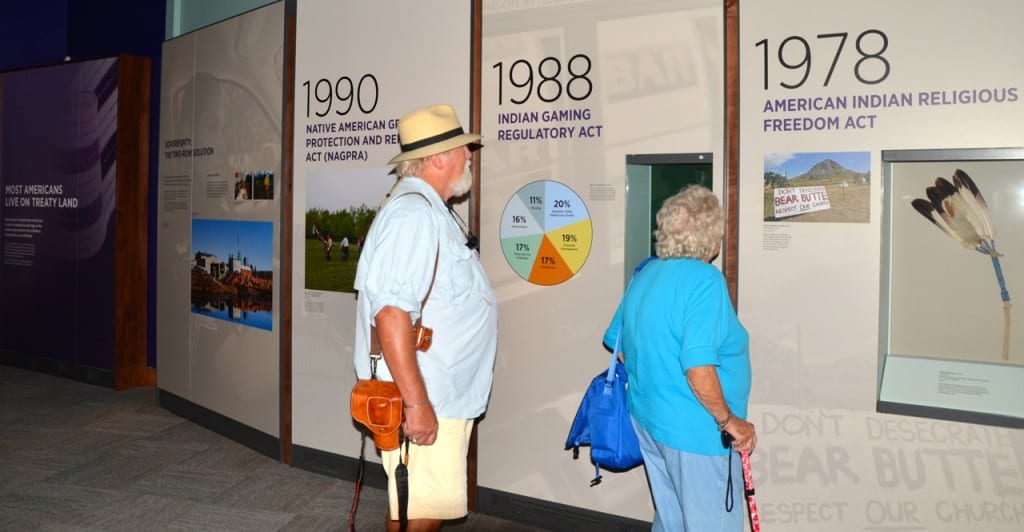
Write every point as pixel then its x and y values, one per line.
pixel 748 484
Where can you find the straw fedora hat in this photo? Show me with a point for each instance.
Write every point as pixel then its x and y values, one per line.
pixel 431 130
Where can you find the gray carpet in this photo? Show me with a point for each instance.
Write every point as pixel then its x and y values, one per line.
pixel 74 456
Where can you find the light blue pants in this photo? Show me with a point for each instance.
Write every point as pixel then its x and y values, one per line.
pixel 689 490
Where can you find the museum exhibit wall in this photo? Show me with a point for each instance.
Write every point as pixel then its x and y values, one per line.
pixel 351 87
pixel 73 167
pixel 855 301
pixel 609 79
pixel 103 28
pixel 562 146
pixel 217 222
pixel 568 90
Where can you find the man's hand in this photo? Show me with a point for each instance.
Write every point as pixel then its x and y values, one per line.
pixel 420 424
pixel 395 331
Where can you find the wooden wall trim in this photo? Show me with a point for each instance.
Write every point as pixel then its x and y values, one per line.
pixel 732 148
pixel 131 233
pixel 286 198
pixel 476 55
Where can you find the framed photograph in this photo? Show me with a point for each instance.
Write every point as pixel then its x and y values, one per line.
pixel 952 260
pixel 827 187
pixel 232 275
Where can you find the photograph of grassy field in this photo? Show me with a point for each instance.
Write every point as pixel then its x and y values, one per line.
pixel 340 207
pixel 846 177
pixel 335 275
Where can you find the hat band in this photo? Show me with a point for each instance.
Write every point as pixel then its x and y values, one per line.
pixel 432 140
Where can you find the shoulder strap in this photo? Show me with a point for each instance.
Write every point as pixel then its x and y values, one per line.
pixel 437 256
pixel 374 337
pixel 618 336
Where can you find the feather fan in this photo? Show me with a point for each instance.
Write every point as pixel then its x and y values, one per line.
pixel 960 211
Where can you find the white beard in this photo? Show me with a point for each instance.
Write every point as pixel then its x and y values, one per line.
pixel 465 183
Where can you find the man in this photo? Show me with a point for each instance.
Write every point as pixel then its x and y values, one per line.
pixel 416 251
pixel 344 248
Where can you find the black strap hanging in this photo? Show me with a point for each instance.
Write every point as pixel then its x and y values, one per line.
pixel 402 484
pixel 359 483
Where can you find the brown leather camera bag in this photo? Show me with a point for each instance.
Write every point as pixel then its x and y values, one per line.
pixel 377 405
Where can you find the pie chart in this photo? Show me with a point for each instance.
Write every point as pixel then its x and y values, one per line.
pixel 546 232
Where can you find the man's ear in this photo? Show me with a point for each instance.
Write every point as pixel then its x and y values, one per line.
pixel 439 161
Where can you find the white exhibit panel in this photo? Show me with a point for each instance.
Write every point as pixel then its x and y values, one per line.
pixel 359 67
pixel 174 229
pixel 854 301
pixel 218 214
pixel 568 90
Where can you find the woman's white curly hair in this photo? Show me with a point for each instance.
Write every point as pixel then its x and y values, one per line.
pixel 690 224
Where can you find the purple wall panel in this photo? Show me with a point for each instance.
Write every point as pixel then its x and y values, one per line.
pixel 57 171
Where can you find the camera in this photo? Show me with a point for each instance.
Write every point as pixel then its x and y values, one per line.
pixel 422 337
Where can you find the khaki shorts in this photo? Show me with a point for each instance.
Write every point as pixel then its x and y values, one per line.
pixel 437 473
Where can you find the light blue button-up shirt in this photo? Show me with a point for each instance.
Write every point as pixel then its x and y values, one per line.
pixel 395 268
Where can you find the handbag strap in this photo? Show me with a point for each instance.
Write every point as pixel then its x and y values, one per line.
pixel 615 354
pixel 375 349
pixel 610 376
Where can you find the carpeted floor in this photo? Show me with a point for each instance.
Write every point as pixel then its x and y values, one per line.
pixel 74 456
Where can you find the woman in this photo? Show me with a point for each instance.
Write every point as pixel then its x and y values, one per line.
pixel 688 362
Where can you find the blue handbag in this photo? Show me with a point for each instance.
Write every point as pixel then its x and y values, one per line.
pixel 602 421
